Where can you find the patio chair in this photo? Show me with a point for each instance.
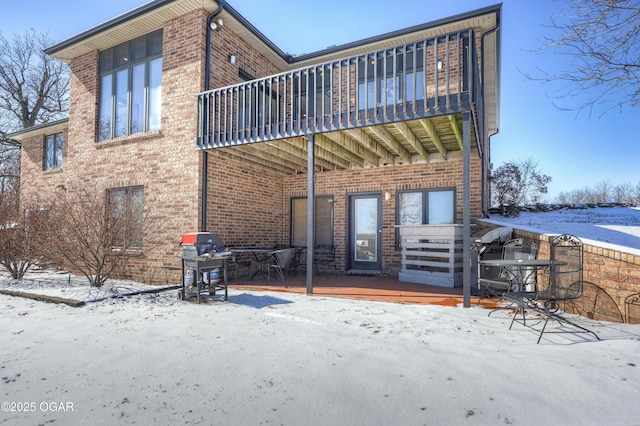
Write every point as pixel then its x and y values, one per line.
pixel 296 263
pixel 324 257
pixel 562 282
pixel 494 281
pixel 237 264
pixel 281 261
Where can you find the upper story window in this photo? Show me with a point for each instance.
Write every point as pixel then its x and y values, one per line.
pixel 53 151
pixel 312 94
pixel 130 87
pixel 257 103
pixel 391 79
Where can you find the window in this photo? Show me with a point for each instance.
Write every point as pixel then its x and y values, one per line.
pixel 380 83
pixel 257 103
pixel 425 207
pixel 324 222
pixel 130 87
pixel 127 212
pixel 53 152
pixel 312 94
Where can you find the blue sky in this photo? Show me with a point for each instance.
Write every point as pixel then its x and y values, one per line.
pixel 575 149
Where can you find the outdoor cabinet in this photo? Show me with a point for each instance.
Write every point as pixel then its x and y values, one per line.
pixel 431 254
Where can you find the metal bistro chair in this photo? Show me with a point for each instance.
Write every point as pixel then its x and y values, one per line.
pixel 239 264
pixel 280 262
pixel 324 257
pixel 564 282
pixel 494 281
pixel 296 263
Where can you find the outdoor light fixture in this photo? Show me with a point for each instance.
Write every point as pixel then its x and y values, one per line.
pixel 232 59
pixel 387 195
pixel 439 65
pixel 216 25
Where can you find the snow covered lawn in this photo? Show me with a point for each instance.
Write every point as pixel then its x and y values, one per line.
pixel 280 358
pixel 614 227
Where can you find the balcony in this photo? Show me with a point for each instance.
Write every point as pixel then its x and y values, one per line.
pixel 390 106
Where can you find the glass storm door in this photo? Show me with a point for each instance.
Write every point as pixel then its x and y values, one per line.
pixel 365 232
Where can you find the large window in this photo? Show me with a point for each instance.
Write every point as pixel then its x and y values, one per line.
pixel 127 212
pixel 130 87
pixel 53 152
pixel 312 94
pixel 323 220
pixel 390 80
pixel 426 207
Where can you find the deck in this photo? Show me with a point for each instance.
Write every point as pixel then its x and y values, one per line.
pixel 399 105
pixel 375 288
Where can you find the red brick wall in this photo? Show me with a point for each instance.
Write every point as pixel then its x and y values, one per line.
pixel 611 277
pixel 164 162
pixel 251 206
pixel 246 205
pixel 38 181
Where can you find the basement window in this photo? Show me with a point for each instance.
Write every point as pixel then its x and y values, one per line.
pixel 127 213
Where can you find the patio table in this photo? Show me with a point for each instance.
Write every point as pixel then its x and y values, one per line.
pixel 261 256
pixel 522 271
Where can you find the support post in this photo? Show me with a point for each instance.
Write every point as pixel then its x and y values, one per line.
pixel 466 209
pixel 311 177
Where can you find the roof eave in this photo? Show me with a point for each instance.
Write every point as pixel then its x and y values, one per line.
pixel 289 59
pixel 41 129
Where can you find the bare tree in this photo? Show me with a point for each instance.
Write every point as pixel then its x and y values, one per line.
pixel 34 89
pixel 533 182
pixel 505 187
pixel 516 183
pixel 577 196
pixel 20 235
pixel 90 235
pixel 623 193
pixel 602 41
pixel 602 192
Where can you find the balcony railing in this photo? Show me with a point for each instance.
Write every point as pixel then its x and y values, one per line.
pixel 425 78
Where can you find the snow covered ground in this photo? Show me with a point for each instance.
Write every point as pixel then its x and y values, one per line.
pixel 279 358
pixel 617 227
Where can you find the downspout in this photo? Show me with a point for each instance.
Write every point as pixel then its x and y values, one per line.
pixel 466 208
pixel 207 84
pixel 485 173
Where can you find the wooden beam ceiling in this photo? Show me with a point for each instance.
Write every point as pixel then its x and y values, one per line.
pixel 407 142
pixel 390 142
pixel 434 136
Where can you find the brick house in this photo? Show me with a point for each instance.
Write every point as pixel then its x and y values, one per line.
pixel 177 87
